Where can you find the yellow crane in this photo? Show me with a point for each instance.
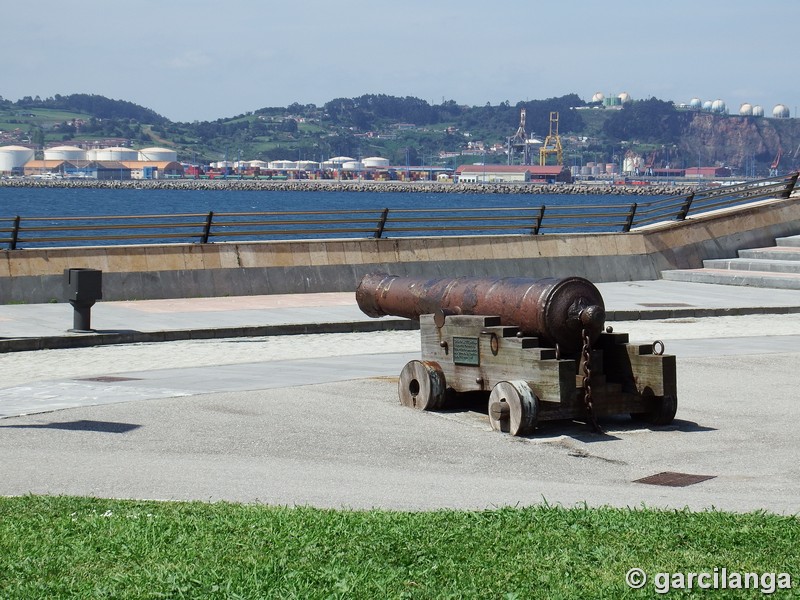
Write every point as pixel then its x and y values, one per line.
pixel 552 143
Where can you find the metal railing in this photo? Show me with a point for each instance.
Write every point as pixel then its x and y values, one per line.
pixel 27 232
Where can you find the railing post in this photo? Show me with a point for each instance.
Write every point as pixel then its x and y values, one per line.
pixel 14 234
pixel 207 228
pixel 684 211
pixel 539 219
pixel 792 181
pixel 629 221
pixel 381 223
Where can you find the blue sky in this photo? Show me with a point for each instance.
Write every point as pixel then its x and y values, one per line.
pixel 201 60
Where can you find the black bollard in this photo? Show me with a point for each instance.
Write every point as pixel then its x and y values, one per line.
pixel 82 288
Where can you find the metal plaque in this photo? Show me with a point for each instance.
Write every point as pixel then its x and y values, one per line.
pixel 466 351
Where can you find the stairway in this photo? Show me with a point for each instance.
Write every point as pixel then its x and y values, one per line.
pixel 774 267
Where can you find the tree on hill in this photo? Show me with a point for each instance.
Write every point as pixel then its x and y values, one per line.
pixel 97 106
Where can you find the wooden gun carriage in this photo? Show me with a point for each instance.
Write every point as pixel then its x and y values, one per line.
pixel 536 348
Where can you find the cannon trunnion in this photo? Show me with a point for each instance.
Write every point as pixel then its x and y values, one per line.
pixel 564 368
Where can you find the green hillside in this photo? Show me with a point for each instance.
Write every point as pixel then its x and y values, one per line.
pixel 410 130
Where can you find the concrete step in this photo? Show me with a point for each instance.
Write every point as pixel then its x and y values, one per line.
pixel 793 240
pixel 763 279
pixel 753 264
pixel 776 253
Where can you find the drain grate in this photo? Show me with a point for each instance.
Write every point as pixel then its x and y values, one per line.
pixel 670 479
pixel 110 379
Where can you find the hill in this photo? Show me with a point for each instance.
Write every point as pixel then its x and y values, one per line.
pixel 411 131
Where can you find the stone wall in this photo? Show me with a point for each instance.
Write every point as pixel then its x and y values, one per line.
pixel 229 269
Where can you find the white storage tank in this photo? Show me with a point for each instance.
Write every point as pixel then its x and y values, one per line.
pixel 258 164
pixel 307 165
pixel 376 162
pixel 758 111
pixel 282 165
pixel 746 109
pixel 718 106
pixel 696 103
pixel 91 154
pixel 158 155
pixel 780 112
pixel 65 153
pixel 117 153
pixel 14 158
pixel 353 165
pixel 336 162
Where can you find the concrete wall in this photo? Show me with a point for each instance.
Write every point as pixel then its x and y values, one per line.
pixel 231 269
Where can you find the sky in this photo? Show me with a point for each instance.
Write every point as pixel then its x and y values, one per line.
pixel 197 60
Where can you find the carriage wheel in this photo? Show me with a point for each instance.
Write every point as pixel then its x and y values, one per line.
pixel 513 408
pixel 422 385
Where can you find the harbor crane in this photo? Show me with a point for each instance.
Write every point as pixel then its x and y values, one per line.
pixel 773 168
pixel 519 142
pixel 552 143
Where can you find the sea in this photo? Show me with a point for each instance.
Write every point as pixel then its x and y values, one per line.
pixel 47 206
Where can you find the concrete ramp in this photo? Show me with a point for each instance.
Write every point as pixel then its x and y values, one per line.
pixel 773 267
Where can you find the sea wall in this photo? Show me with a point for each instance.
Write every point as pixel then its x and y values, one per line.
pixel 228 269
pixel 305 185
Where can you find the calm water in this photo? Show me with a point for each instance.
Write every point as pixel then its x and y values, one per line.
pixel 52 203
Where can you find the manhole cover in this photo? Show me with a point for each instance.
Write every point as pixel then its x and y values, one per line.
pixel 670 479
pixel 109 379
pixel 664 304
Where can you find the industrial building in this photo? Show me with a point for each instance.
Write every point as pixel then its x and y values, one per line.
pixel 513 174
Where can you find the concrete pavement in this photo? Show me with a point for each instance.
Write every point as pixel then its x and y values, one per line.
pixel 314 419
pixel 39 326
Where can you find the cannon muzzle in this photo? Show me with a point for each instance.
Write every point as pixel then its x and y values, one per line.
pixel 555 310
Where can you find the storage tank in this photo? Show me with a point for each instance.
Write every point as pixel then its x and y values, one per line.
pixel 707 105
pixel 65 153
pixel 282 165
pixel 258 164
pixel 624 97
pixel 14 158
pixel 780 112
pixel 307 165
pixel 598 97
pixel 718 106
pixel 746 110
pixel 158 155
pixel 758 111
pixel 117 153
pixel 336 162
pixel 375 162
pixel 91 154
pixel 353 165
pixel 696 103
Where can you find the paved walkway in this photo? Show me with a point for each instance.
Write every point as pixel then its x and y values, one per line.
pixel 314 419
pixel 37 326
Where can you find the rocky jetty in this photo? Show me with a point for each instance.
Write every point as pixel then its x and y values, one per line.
pixel 305 185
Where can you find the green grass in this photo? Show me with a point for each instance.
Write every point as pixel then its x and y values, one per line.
pixel 62 547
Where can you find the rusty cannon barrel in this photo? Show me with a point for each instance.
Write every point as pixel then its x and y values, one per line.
pixel 556 310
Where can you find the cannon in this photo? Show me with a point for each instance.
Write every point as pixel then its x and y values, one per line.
pixel 536 349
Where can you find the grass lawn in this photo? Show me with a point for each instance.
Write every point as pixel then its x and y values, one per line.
pixel 62 547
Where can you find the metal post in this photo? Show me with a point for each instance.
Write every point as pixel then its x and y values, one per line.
pixel 539 219
pixel 381 223
pixel 684 211
pixel 14 234
pixel 629 222
pixel 790 183
pixel 207 228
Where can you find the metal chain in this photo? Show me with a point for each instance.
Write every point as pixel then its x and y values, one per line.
pixel 587 376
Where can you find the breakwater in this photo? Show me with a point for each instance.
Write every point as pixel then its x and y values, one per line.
pixel 316 185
